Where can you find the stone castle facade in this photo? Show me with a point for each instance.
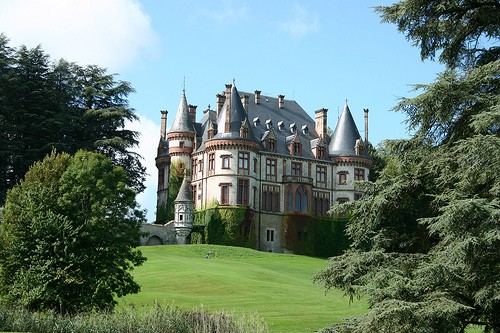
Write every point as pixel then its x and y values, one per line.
pixel 263 153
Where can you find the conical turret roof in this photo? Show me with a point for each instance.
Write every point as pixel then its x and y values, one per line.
pixel 185 190
pixel 182 121
pixel 345 135
pixel 237 115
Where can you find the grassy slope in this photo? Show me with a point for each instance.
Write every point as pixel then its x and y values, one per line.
pixel 276 286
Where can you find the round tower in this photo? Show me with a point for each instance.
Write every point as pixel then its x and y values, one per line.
pixel 181 137
pixel 183 211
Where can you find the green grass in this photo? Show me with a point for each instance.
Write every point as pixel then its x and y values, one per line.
pixel 278 287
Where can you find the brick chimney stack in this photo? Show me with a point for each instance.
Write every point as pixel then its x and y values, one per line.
pixel 220 102
pixel 321 122
pixel 257 96
pixel 192 112
pixel 281 101
pixel 163 128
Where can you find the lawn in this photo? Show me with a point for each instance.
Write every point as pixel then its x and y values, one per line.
pixel 278 287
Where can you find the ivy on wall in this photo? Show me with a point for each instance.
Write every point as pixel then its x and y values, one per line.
pixel 224 226
pixel 313 236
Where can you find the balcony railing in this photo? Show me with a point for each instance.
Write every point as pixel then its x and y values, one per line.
pixel 297 179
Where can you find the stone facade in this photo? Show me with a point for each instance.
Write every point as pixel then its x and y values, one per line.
pixel 267 154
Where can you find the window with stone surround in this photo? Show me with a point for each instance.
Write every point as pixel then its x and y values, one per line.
pixel 271 169
pixel 211 162
pixel 342 177
pixel 296 169
pixel 321 175
pixel 301 200
pixel 359 174
pixel 270 235
pixel 270 198
pixel 242 195
pixel 243 162
pixel 226 161
pixel 224 193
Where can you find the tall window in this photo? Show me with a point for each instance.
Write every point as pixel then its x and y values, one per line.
pixel 226 161
pixel 296 169
pixel 271 169
pixel 243 162
pixel 270 198
pixel 211 162
pixel 301 200
pixel 224 194
pixel 320 203
pixel 243 191
pixel 359 174
pixel 193 193
pixel 321 175
pixel 195 164
pixel 200 166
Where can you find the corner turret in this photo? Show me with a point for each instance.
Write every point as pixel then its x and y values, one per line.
pixel 183 211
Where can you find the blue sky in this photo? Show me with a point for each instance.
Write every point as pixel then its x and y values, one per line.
pixel 319 53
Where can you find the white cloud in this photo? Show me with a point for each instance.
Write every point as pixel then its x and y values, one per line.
pixel 110 33
pixel 148 142
pixel 300 23
pixel 229 11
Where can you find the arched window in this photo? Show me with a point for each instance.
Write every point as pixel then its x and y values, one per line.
pixel 301 200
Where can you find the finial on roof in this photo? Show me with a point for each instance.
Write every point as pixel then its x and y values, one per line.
pixel 184 87
pixel 234 81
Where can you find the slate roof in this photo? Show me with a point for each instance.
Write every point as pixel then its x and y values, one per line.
pixel 237 116
pixel 185 190
pixel 345 135
pixel 286 123
pixel 182 121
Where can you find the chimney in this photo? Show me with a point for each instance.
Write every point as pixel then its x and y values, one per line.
pixel 220 102
pixel 321 122
pixel 163 127
pixel 244 101
pixel 366 125
pixel 257 96
pixel 281 101
pixel 192 112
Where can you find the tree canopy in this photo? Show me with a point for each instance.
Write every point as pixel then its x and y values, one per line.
pixel 68 235
pixel 48 104
pixel 426 234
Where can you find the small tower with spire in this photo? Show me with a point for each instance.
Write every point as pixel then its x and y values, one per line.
pixel 183 211
pixel 181 137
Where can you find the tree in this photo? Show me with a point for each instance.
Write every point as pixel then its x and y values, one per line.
pixel 425 236
pixel 68 235
pixel 47 105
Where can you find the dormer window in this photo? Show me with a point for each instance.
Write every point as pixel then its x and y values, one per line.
pixel 256 121
pixel 271 144
pixel 244 132
pixel 269 123
pixel 293 127
pixel 281 125
pixel 296 148
pixel 305 129
pixel 321 152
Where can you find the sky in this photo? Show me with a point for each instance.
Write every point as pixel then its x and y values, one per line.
pixel 319 53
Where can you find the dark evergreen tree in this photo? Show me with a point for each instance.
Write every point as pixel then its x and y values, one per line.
pixel 425 236
pixel 61 105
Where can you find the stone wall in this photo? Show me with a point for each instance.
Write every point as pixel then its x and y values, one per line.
pixel 158 234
